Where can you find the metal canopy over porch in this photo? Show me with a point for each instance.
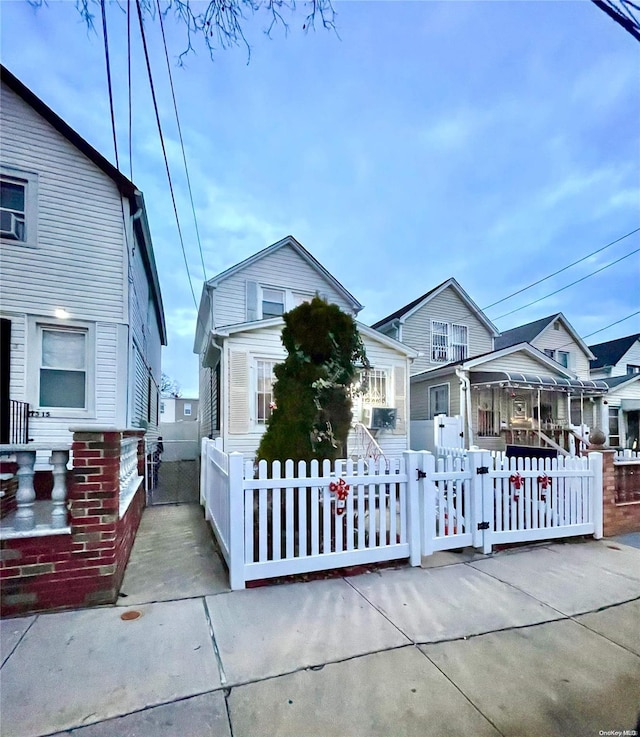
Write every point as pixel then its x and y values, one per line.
pixel 516 380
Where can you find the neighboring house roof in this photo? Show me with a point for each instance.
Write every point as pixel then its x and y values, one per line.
pixel 481 358
pixel 125 186
pixel 404 312
pixel 611 351
pixel 302 251
pixel 615 382
pixel 530 331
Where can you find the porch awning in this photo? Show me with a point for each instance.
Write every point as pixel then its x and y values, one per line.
pixel 516 380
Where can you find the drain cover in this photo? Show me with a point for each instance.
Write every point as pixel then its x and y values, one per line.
pixel 132 614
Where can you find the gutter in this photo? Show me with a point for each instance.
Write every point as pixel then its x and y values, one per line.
pixel 466 388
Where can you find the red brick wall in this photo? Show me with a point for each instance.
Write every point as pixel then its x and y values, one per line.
pixel 619 516
pixel 85 566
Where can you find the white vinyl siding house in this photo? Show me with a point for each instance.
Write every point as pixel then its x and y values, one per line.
pixel 238 339
pixel 80 290
pixel 558 343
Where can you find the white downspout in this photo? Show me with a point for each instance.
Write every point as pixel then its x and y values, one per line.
pixel 465 404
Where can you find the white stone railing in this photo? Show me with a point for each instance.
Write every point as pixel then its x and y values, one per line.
pixel 129 478
pixel 33 517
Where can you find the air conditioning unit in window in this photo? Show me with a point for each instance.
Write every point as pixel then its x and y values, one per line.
pixel 380 418
pixel 11 226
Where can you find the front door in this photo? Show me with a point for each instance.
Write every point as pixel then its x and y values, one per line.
pixel 633 429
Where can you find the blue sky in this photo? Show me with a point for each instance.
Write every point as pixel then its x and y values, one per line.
pixel 495 142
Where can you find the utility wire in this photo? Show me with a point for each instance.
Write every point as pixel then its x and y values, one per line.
pixel 129 85
pixel 577 281
pixel 606 327
pixel 108 63
pixel 184 156
pixel 555 273
pixel 164 150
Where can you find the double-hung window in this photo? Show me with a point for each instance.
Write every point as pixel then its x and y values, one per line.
pixel 265 379
pixel 187 409
pixel 63 368
pixel 18 198
pixel 273 302
pixel 449 342
pixel 438 400
pixel 376 393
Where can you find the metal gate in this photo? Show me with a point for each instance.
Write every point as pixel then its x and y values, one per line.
pixel 171 475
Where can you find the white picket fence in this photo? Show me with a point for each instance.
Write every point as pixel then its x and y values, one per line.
pixel 276 521
pixel 311 517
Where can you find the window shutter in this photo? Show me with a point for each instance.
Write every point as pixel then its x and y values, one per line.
pixel 400 398
pixel 238 392
pixel 252 301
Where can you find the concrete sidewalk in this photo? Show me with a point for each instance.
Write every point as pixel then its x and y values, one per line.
pixel 542 641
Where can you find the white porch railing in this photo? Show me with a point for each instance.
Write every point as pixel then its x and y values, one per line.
pixel 33 517
pixel 129 477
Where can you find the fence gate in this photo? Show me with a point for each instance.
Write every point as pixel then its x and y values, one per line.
pixel 484 500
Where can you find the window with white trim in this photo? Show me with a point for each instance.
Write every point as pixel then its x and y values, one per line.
pixel 438 400
pixel 273 302
pixel 187 409
pixel 376 393
pixel 563 358
pixel 550 353
pixel 614 427
pixel 63 368
pixel 265 379
pixel 633 369
pixel 449 342
pixel 161 408
pixel 18 201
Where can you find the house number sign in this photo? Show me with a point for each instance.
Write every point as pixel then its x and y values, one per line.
pixel 37 413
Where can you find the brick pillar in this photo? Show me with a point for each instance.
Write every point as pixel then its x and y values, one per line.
pixel 609 509
pixel 94 498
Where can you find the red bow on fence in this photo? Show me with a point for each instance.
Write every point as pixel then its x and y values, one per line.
pixel 517 481
pixel 341 490
pixel 544 482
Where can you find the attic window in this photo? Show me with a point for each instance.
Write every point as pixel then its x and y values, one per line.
pixel 272 303
pixel 556 325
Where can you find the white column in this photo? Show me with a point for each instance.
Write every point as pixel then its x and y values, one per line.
pixel 25 495
pixel 59 460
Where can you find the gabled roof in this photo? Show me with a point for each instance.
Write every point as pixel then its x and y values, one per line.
pixel 610 352
pixel 404 312
pixel 364 330
pixel 613 382
pixel 530 331
pixel 125 186
pixel 303 253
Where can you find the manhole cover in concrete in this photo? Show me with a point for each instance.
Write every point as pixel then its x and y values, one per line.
pixel 132 614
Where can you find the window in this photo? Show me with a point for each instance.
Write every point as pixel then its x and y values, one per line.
pixel 187 409
pixel 376 394
pixel 614 427
pixel 264 390
pixel 438 400
pixel 449 342
pixel 161 408
pixel 563 358
pixel 633 369
pixel 13 209
pixel 63 368
pixel 18 200
pixel 550 352
pixel 272 303
pixel 439 341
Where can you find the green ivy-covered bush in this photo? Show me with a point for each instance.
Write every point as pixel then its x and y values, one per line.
pixel 312 415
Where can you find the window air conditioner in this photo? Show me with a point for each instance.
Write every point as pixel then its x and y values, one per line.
pixel 381 418
pixel 10 225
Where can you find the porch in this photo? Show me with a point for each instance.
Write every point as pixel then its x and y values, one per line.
pixel 68 516
pixel 535 411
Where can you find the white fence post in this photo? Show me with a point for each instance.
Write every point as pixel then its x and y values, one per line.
pixel 413 468
pixel 595 465
pixel 203 475
pixel 428 465
pixel 236 522
pixel 482 502
pixel 474 462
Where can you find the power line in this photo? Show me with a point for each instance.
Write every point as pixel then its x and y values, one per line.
pixel 164 150
pixel 593 273
pixel 555 273
pixel 184 156
pixel 610 325
pixel 108 64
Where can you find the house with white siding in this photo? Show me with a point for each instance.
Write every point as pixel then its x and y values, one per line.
pixel 527 387
pixel 238 339
pixel 617 363
pixel 81 312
